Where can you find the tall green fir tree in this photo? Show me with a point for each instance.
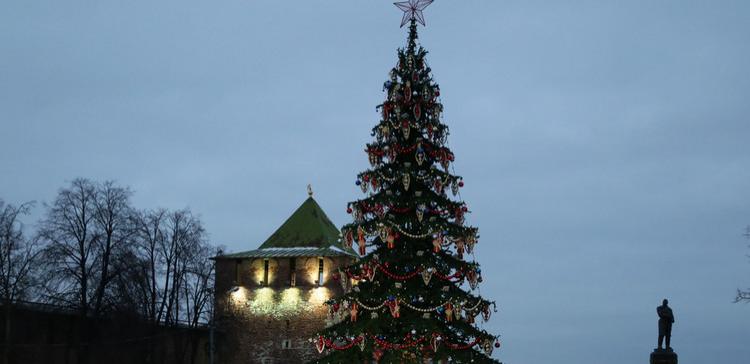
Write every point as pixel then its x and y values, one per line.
pixel 413 296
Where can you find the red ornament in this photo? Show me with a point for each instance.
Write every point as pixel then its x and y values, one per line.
pixel 497 344
pixel 437 92
pixel 348 210
pixel 460 183
pixel 464 209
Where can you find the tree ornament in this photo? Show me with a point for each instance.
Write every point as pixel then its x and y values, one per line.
pixel 348 210
pixel 386 111
pixel 353 312
pixel 385 131
pixel 445 163
pixel 471 239
pixel 373 159
pixel 349 238
pixel 437 242
pixel 461 183
pixel 417 112
pixel 458 309
pixel 394 307
pixel 361 240
pixel 406 180
pixel 459 216
pixel 454 188
pixel 497 343
pixel 379 210
pixel 391 239
pixel 448 312
pixel 320 344
pixel 363 186
pixel 370 271
pixel 405 129
pixel 427 275
pixel 420 155
pixel 407 91
pixel 392 154
pixel 468 317
pixel 383 231
pixel 421 208
pixel 435 342
pixel 471 276
pixel 375 184
pixel 377 355
pixel 438 185
pixel 487 346
pixel 460 248
pixel 486 312
pixel 362 342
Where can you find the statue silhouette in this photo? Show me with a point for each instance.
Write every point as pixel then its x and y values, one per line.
pixel 666 319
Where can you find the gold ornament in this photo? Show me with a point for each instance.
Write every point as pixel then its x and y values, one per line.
pixel 406 180
pixel 437 242
pixel 427 275
pixel 394 308
pixel 354 311
pixel 361 240
pixel 405 129
pixel 448 312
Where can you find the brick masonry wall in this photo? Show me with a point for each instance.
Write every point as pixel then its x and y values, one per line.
pixel 272 324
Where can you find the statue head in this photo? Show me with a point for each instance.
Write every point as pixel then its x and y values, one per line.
pixel 664 303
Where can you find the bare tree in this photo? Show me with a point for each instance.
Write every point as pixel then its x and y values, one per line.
pixel 744 295
pixel 68 230
pixel 112 213
pixel 17 261
pixel 172 274
pixel 184 237
pixel 85 229
pixel 198 286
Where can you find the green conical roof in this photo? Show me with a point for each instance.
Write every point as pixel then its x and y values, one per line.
pixel 307 227
pixel 308 232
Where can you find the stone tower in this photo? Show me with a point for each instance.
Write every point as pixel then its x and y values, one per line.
pixel 269 301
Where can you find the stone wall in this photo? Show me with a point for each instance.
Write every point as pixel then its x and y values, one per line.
pixel 272 323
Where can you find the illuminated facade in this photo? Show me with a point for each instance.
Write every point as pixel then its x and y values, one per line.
pixel 269 301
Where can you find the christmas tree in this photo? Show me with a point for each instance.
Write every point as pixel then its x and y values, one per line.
pixel 409 298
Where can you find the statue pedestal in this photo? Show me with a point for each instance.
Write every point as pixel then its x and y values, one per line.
pixel 663 356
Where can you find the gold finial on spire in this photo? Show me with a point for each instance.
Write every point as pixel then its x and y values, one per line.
pixel 309 190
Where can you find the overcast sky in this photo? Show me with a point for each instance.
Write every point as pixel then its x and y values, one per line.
pixel 604 144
